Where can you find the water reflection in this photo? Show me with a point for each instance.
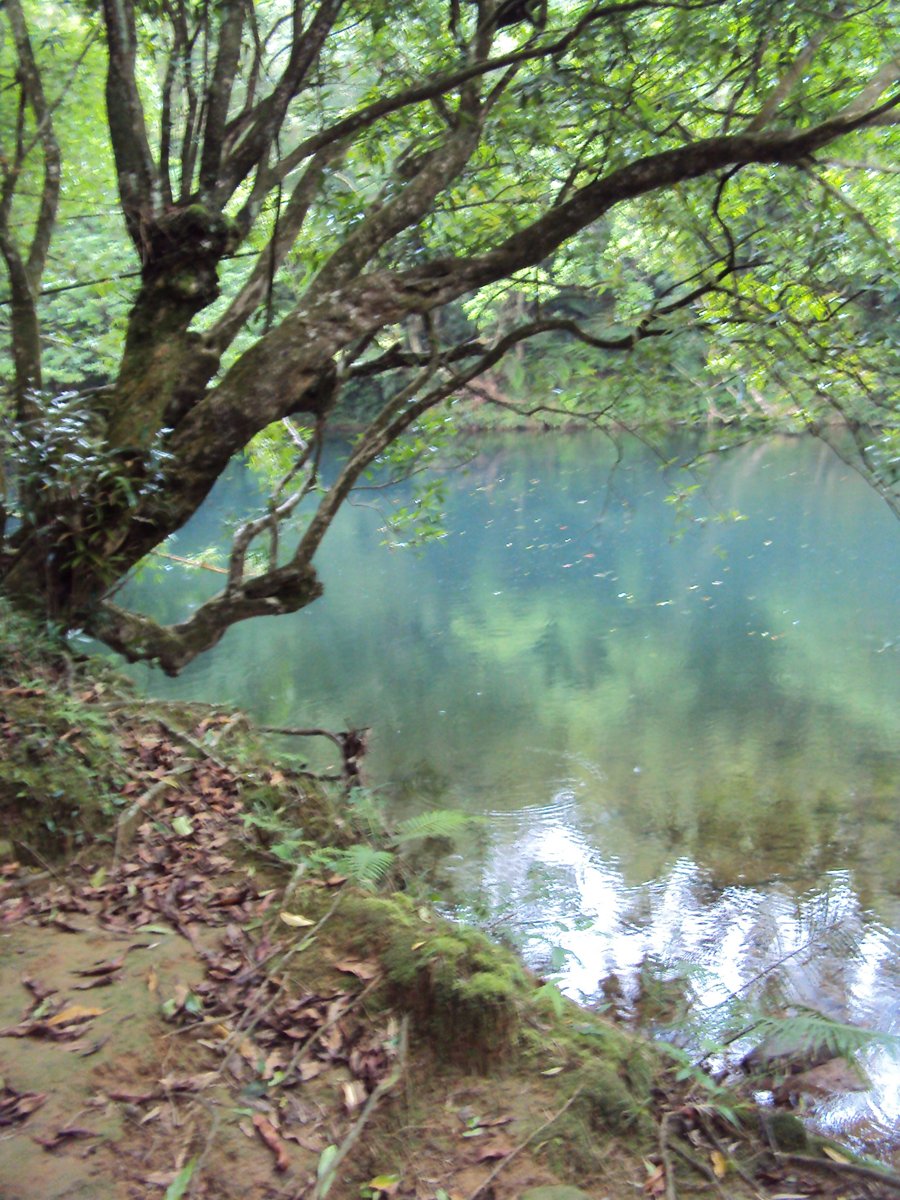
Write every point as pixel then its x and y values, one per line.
pixel 684 735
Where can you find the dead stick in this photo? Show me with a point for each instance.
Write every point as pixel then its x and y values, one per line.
pixel 522 1145
pixel 736 1166
pixel 257 1014
pixel 192 742
pixel 126 825
pixel 304 1050
pixel 887 1177
pixel 323 1185
pixel 189 562
pixel 701 1167
pixel 671 1193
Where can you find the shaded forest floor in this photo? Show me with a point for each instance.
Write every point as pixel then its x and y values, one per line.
pixel 181 1016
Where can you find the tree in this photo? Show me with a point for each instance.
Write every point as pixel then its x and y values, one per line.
pixel 309 192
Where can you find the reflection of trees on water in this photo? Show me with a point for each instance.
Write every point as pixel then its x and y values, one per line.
pixel 820 950
pixel 715 698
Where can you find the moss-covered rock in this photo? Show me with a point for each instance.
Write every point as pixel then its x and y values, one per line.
pixel 787 1132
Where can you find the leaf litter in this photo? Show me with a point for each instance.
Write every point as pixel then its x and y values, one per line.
pixel 297 1067
pixel 178 874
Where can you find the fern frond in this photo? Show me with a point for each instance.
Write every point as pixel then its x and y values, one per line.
pixel 441 822
pixel 808 1031
pixel 363 864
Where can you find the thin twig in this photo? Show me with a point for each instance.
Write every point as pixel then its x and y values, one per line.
pixel 711 1134
pixel 701 1166
pixel 38 858
pixel 307 1046
pixel 126 825
pixel 255 1014
pixel 189 562
pixel 665 1156
pixel 522 1145
pixel 183 736
pixel 323 1186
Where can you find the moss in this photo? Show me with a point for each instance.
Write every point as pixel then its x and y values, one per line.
pixel 786 1131
pixel 61 770
pixel 609 1099
pixel 465 995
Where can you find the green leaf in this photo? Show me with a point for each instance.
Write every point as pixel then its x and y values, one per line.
pixel 325 1171
pixel 179 1184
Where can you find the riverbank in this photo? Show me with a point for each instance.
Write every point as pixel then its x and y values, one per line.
pixel 186 1012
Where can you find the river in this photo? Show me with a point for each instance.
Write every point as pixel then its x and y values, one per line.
pixel 681 728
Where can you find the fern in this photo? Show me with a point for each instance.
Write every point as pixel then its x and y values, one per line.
pixel 437 824
pixel 363 864
pixel 808 1031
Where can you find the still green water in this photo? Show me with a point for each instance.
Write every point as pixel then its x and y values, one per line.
pixel 683 733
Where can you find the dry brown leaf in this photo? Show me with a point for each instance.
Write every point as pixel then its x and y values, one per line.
pixel 362 970
pixel 354 1095
pixel 64 1135
pixel 655 1184
pixel 493 1152
pixel 269 1136
pixel 75 1012
pixel 17 1106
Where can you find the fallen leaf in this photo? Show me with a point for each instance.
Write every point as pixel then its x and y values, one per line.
pixel 295 920
pixel 64 1135
pixel 75 1012
pixel 655 1184
pixel 719 1164
pixel 269 1136
pixel 354 1095
pixel 362 970
pixel 383 1183
pixel 18 1106
pixel 493 1152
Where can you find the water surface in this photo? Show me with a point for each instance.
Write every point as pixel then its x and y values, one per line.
pixel 682 730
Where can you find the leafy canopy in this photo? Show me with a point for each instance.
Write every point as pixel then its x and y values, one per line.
pixel 229 222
